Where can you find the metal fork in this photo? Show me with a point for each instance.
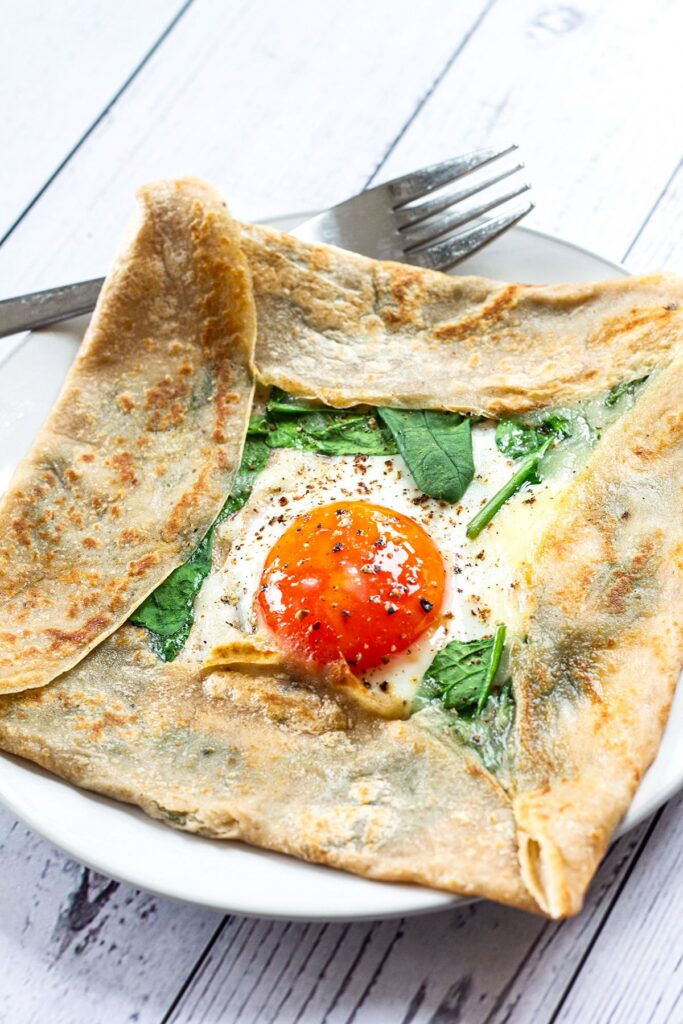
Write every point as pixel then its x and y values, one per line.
pixel 392 221
pixel 388 223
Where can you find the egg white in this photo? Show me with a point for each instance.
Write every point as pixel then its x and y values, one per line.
pixel 482 589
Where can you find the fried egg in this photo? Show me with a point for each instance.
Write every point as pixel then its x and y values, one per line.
pixel 343 559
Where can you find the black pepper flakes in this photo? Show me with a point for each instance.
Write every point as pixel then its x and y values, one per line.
pixel 425 604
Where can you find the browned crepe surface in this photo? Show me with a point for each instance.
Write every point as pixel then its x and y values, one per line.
pixel 595 679
pixel 140 450
pixel 345 329
pixel 277 763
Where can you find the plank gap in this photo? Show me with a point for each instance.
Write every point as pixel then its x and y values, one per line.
pixel 605 917
pixel 667 185
pixel 200 959
pixel 432 88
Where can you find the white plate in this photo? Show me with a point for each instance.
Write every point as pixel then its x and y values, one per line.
pixel 120 840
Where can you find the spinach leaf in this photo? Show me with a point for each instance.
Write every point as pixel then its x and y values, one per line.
pixel 527 473
pixel 305 424
pixel 168 612
pixel 627 387
pixel 437 448
pixel 254 458
pixel 282 403
pixel 325 431
pixel 462 674
pixel 488 733
pixel 348 434
pixel 516 439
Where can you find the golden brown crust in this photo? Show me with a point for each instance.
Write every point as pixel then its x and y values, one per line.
pixel 604 648
pixel 139 452
pixel 274 762
pixel 345 329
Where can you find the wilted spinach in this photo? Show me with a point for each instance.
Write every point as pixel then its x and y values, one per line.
pixel 437 448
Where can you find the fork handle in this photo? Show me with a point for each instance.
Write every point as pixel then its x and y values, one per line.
pixel 38 309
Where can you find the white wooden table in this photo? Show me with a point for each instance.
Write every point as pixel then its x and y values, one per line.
pixel 292 106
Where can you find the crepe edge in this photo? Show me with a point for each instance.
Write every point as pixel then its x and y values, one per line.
pixel 146 196
pixel 560 845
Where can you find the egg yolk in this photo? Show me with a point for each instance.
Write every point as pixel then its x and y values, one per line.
pixel 351 581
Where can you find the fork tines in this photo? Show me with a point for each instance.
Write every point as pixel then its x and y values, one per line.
pixel 429 230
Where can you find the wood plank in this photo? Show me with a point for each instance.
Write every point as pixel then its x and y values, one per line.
pixel 77 946
pixel 285 105
pixel 61 65
pixel 590 91
pixel 659 243
pixel 429 968
pixel 550 966
pixel 635 971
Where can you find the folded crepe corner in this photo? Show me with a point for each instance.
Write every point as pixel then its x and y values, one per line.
pixel 251 652
pixel 603 651
pixel 386 333
pixel 561 843
pixel 152 416
pixel 544 870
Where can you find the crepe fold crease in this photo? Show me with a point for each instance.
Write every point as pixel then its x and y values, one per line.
pixel 256 752
pixel 140 449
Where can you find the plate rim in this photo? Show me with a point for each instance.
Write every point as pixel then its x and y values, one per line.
pixel 442 900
